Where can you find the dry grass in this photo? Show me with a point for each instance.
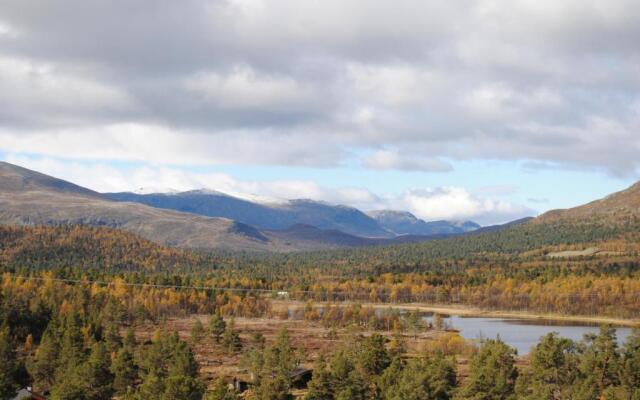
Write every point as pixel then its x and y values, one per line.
pixel 311 337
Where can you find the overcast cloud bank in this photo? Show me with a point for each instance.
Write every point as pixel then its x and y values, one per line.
pixel 410 86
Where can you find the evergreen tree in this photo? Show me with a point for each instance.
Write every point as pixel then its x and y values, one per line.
pixel 182 387
pixel 183 362
pixel 129 342
pixel 69 386
pixel 552 372
pixel 72 345
pixel 169 370
pixel 321 385
pixel 599 365
pixel 390 377
pixel 372 354
pixel 8 365
pixel 43 366
pixel 152 387
pixel 271 368
pixel 430 379
pixel 630 374
pixel 96 374
pixel 124 371
pixel 112 338
pixel 231 338
pixel 492 373
pixel 197 330
pixel 221 391
pixel 182 381
pixel 439 376
pixel 350 381
pixel 217 326
pixel 273 388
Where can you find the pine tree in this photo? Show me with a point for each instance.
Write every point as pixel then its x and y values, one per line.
pixel 630 374
pixel 350 382
pixel 43 366
pixel 152 387
pixel 390 377
pixel 129 340
pixel 221 391
pixel 112 338
pixel 271 368
pixel 169 370
pixel 124 370
pixel 231 338
pixel 182 380
pixel 493 373
pixel 372 354
pixel 69 386
pixel 197 330
pixel 183 362
pixel 8 365
pixel 274 388
pixel 217 326
pixel 599 365
pixel 178 387
pixel 552 372
pixel 96 374
pixel 321 385
pixel 432 379
pixel 72 345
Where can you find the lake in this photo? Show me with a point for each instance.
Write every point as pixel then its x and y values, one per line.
pixel 523 334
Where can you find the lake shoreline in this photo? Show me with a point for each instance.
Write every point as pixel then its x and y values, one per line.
pixel 467 311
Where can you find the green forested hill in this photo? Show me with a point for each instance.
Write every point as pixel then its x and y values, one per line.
pixel 45 247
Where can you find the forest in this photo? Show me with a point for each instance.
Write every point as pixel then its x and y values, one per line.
pixel 606 285
pixel 75 341
pixel 95 313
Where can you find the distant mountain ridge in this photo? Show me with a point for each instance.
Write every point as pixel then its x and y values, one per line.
pixel 31 198
pixel 379 224
pixel 179 219
pixel 405 223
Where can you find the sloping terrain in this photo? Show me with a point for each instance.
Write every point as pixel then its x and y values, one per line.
pixel 620 207
pixel 31 198
pixel 51 247
pixel 263 216
pixel 309 237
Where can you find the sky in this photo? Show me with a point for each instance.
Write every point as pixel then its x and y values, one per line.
pixel 483 110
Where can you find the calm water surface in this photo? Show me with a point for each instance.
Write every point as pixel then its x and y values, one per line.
pixel 523 334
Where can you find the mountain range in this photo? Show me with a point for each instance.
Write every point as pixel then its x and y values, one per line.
pixel 263 216
pixel 207 219
pixel 405 223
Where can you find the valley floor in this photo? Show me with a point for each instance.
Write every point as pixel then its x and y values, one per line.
pixel 310 337
pixel 468 311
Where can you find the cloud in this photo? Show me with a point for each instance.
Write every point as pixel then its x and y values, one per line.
pixel 538 201
pixel 38 94
pixel 456 203
pixel 243 88
pixel 157 144
pixel 387 159
pixel 292 83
